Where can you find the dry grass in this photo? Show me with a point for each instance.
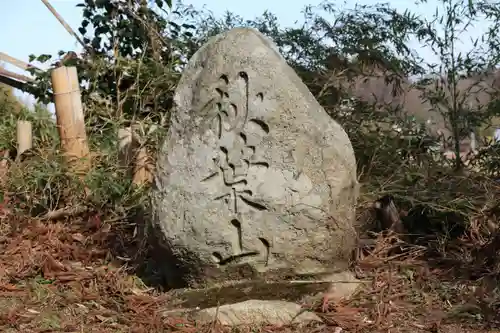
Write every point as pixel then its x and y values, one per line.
pixel 57 277
pixel 407 291
pixel 63 277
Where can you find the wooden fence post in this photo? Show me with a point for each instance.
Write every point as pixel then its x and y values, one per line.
pixel 70 119
pixel 134 157
pixel 4 166
pixel 126 147
pixel 143 168
pixel 24 136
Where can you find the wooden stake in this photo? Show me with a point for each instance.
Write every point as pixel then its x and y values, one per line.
pixel 4 166
pixel 126 147
pixel 133 157
pixel 143 168
pixel 24 136
pixel 70 119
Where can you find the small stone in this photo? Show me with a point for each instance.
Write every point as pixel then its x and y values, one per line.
pixel 343 285
pixel 255 312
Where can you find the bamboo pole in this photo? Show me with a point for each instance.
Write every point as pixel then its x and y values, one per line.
pixel 15 76
pixel 134 158
pixel 16 62
pixel 66 26
pixel 4 166
pixel 14 80
pixel 70 119
pixel 143 168
pixel 14 83
pixel 24 136
pixel 126 147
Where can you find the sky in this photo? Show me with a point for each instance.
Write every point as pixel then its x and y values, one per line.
pixel 28 27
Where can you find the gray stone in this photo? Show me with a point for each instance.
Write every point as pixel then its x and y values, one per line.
pixel 256 312
pixel 335 287
pixel 253 175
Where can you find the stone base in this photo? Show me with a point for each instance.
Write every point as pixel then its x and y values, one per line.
pixel 260 301
pixel 339 285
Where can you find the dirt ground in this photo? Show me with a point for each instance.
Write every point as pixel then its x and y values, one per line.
pixel 63 277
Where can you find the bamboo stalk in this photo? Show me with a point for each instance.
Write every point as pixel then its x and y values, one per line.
pixel 70 119
pixel 16 62
pixel 65 25
pixel 24 136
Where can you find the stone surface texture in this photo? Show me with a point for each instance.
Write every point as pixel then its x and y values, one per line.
pixel 253 171
pixel 256 312
pixel 335 287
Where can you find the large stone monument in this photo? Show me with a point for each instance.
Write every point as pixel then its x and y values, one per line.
pixel 254 177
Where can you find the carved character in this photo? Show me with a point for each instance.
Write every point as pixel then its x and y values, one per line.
pixel 232 163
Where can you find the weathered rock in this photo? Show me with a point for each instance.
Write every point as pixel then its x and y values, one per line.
pixel 336 287
pixel 256 312
pixel 259 302
pixel 254 176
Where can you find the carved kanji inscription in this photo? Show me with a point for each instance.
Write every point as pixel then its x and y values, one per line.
pixel 234 125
